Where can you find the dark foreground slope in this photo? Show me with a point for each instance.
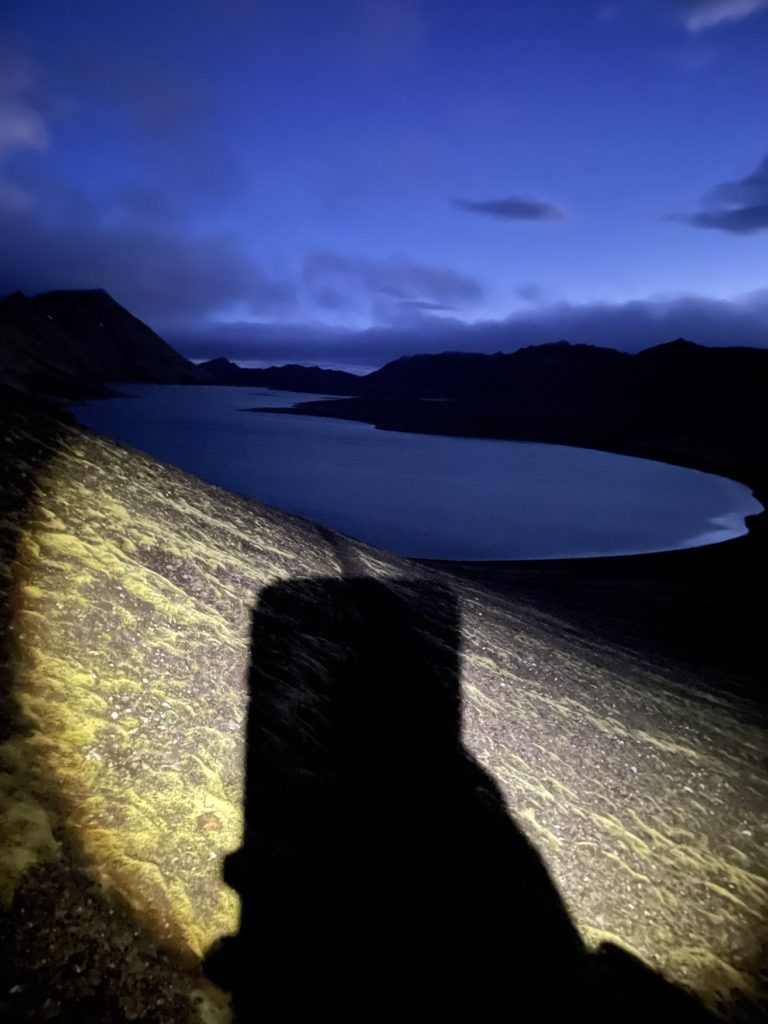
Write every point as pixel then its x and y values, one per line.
pixel 188 675
pixel 73 342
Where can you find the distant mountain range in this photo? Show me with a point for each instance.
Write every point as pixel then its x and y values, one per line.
pixel 675 380
pixel 680 401
pixel 312 380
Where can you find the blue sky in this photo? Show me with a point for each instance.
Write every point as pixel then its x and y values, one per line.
pixel 358 175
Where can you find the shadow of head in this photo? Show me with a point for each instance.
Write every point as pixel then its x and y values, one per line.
pixel 352 682
pixel 379 863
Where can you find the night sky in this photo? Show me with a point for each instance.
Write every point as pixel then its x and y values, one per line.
pixel 346 180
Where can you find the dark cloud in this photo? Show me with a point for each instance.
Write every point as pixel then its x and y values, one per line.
pixel 513 208
pixel 738 221
pixel 739 207
pixel 161 275
pixel 629 326
pixel 751 189
pixel 702 14
pixel 138 246
pixel 136 240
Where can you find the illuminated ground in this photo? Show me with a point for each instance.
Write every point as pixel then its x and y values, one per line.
pixel 132 585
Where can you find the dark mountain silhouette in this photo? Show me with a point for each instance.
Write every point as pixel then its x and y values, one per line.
pixel 311 379
pixel 463 374
pixel 680 401
pixel 443 375
pixel 679 386
pixel 73 342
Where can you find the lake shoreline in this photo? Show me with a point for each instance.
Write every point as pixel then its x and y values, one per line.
pixel 429 496
pixel 700 607
pixel 722 464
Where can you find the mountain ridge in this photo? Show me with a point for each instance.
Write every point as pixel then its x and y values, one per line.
pixel 561 367
pixel 74 343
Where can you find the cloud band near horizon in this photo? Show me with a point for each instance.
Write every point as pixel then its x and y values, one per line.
pixel 629 326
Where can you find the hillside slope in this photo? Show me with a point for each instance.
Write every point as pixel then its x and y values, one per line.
pixel 135 600
pixel 73 342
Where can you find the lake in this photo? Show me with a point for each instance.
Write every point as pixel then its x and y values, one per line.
pixel 420 495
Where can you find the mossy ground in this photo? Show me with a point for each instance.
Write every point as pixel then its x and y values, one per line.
pixel 131 587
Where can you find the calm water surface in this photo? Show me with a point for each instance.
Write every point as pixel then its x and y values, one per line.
pixel 429 497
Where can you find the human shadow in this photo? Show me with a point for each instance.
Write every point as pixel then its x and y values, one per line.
pixel 380 871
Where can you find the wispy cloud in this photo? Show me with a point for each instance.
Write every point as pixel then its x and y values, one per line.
pixel 698 15
pixel 390 289
pixel 22 125
pixel 513 208
pixel 739 207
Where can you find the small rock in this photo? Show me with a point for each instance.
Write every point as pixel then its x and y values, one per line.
pixel 209 822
